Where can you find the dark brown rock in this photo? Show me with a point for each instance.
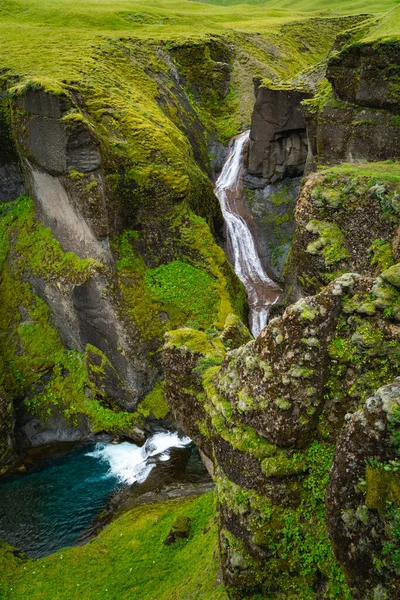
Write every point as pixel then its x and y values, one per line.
pixel 278 140
pixel 367 74
pixel 364 494
pixel 180 529
pixel 7 442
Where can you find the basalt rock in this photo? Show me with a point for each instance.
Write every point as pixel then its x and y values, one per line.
pixel 8 453
pixel 278 139
pixel 366 74
pixel 360 121
pixel 11 182
pixel 344 223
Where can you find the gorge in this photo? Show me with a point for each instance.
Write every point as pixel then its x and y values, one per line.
pixel 200 232
pixel 261 290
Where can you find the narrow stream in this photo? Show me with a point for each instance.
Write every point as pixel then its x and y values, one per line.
pixel 261 290
pixel 50 507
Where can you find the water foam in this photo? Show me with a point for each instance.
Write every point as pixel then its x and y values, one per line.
pixel 130 463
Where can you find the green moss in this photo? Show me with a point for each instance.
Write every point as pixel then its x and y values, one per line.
pixel 382 255
pixel 284 464
pixel 154 403
pixel 329 243
pixel 323 96
pixel 296 540
pixel 196 341
pixel 368 353
pixel 382 487
pixel 189 289
pixel 34 362
pixel 392 275
pixel 198 290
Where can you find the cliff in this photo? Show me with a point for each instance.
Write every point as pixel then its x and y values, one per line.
pixel 112 244
pixel 108 246
pixel 300 426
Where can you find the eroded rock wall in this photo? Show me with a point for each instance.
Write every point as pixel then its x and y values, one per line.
pixel 358 120
pixel 278 138
pixel 92 252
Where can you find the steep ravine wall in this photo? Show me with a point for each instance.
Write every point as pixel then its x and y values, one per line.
pixel 88 299
pixel 97 271
pixel 115 246
pixel 302 425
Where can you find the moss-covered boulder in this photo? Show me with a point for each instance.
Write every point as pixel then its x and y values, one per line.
pixel 363 496
pixel 346 220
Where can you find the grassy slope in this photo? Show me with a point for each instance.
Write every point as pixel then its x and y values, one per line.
pixel 51 40
pixel 338 6
pixel 127 561
pixel 387 170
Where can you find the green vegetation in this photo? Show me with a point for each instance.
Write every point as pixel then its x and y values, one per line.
pixel 34 362
pixel 329 242
pixel 127 561
pixel 382 255
pixel 377 171
pixel 296 539
pixel 190 289
pixel 61 39
pixel 199 289
pixel 354 217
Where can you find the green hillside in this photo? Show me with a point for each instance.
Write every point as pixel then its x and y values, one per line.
pixel 58 39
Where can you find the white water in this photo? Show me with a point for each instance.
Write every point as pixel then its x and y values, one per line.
pixel 246 261
pixel 130 463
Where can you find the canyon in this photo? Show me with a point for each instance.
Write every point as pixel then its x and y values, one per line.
pixel 186 243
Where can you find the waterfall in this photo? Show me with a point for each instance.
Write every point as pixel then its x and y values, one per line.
pixel 261 290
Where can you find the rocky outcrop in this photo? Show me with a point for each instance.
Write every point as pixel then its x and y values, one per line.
pixel 272 210
pixel 358 121
pixel 278 138
pixel 363 496
pixel 345 221
pixel 11 182
pixel 7 440
pixel 366 73
pixel 269 418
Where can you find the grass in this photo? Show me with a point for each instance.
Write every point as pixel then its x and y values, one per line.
pixel 388 170
pixel 59 40
pixel 127 561
pixel 306 6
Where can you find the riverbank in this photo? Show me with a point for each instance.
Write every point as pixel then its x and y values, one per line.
pixel 128 560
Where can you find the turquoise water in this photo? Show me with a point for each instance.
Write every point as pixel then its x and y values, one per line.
pixel 50 507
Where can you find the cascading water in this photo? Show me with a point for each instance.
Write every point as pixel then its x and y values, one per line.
pixel 50 507
pixel 261 290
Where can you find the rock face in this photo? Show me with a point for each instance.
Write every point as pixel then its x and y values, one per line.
pixel 278 138
pixel 90 269
pixel 269 419
pixel 11 183
pixel 7 441
pixel 272 209
pixel 345 221
pixel 301 425
pixel 366 74
pixel 363 493
pixel 360 121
